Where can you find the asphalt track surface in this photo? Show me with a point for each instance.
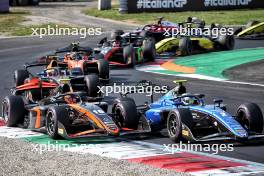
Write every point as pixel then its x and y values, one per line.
pixel 14 52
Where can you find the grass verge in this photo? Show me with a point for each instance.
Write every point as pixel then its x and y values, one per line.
pixel 10 24
pixel 230 17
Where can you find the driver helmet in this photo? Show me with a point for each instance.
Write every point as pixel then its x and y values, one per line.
pixel 29 96
pixel 52 72
pixel 76 56
pixel 188 100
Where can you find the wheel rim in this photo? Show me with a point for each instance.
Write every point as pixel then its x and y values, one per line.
pixel 50 124
pixel 172 125
pixel 5 111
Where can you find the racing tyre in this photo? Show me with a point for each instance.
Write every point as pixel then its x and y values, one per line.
pixel 13 110
pixel 149 50
pixel 34 2
pixel 129 56
pixel 92 83
pixel 20 76
pixel 249 115
pixel 103 68
pixel 227 42
pixel 55 115
pixel 174 123
pixel 116 33
pixel 22 2
pixel 252 23
pixel 126 113
pixel 185 46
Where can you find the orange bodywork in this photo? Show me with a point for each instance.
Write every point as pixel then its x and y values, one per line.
pixel 99 123
pixel 76 63
pixel 35 83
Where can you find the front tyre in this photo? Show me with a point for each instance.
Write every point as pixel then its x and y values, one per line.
pixel 92 83
pixel 129 56
pixel 103 68
pixel 249 115
pixel 13 110
pixel 55 115
pixel 126 114
pixel 175 120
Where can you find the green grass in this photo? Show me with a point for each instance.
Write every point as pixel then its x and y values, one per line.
pixel 10 24
pixel 222 17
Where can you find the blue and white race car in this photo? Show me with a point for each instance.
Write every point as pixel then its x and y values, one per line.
pixel 186 116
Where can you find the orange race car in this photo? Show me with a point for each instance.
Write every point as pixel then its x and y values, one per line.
pixel 83 60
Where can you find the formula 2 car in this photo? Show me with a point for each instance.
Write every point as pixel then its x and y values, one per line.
pixel 126 49
pixel 84 60
pixel 188 44
pixel 254 30
pixel 57 74
pixel 186 116
pixel 73 115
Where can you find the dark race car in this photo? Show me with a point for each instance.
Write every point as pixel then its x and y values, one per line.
pixel 126 49
pixel 73 115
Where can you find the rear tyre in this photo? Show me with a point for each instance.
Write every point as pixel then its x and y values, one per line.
pixel 103 68
pixel 252 23
pixel 23 2
pixel 227 42
pixel 126 114
pixel 13 110
pixel 92 83
pixel 185 46
pixel 174 123
pixel 129 56
pixel 55 115
pixel 20 76
pixel 149 50
pixel 249 115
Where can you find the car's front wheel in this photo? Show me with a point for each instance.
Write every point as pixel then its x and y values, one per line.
pixel 249 115
pixel 55 115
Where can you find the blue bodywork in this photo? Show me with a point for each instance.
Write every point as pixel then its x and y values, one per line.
pixel 168 103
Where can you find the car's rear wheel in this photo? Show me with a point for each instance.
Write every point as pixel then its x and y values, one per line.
pixel 129 56
pixel 249 115
pixel 126 114
pixel 13 110
pixel 20 76
pixel 149 50
pixel 103 68
pixel 55 115
pixel 174 123
pixel 227 42
pixel 185 46
pixel 92 83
